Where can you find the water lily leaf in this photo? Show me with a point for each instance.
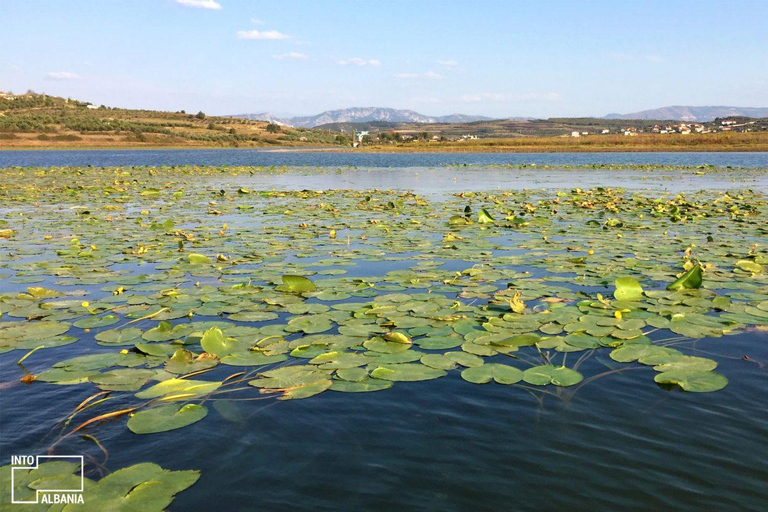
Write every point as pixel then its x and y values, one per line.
pixel 184 361
pixel 63 376
pixel 146 487
pixel 338 360
pixel 253 316
pixel 549 374
pixel 406 372
pixel 627 288
pixel 691 279
pixel 214 342
pixel 397 337
pixel 298 284
pixel 96 321
pixel 306 390
pixel 156 349
pixel 352 374
pixel 438 361
pixel 693 381
pixel 633 352
pixel 123 379
pixel 118 336
pixel 198 259
pixel 360 386
pixel 290 377
pixel 12 333
pixel 252 358
pixel 499 373
pixel 746 265
pixel 483 217
pixel 688 363
pixel 165 418
pixel 179 389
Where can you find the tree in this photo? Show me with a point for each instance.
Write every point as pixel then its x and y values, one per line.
pixel 200 115
pixel 273 128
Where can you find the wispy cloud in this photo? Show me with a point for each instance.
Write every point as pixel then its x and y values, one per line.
pixel 412 76
pixel 448 64
pixel 292 55
pixel 634 57
pixel 357 61
pixel 62 75
pixel 508 98
pixel 201 4
pixel 256 21
pixel 262 35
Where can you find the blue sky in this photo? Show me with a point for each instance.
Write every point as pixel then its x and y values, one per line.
pixel 507 58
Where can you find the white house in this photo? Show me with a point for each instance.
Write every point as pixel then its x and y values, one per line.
pixel 575 134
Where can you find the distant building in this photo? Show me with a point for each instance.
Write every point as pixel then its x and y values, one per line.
pixel 606 131
pixel 92 107
pixel 575 134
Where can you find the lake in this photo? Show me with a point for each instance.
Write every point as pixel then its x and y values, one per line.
pixel 389 245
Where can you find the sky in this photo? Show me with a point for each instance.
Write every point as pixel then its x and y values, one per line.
pixel 500 59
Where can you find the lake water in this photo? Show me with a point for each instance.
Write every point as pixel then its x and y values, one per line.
pixel 444 445
pixel 103 158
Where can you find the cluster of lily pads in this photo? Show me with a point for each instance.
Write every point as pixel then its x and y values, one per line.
pixel 184 286
pixel 145 486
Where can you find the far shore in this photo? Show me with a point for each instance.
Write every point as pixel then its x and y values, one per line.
pixel 646 143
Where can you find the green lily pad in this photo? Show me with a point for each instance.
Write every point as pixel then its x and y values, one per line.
pixel 499 373
pixel 165 418
pixel 627 288
pixel 179 389
pixel 693 381
pixel 549 374
pixel 691 279
pixel 406 372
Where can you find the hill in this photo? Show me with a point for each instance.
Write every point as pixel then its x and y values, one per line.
pixel 39 120
pixel 690 114
pixel 363 115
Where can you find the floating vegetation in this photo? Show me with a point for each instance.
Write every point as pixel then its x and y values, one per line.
pixel 181 290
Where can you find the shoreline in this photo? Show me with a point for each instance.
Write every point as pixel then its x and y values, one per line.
pixel 415 150
pixel 714 143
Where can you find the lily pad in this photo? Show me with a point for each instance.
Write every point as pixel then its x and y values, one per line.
pixel 165 418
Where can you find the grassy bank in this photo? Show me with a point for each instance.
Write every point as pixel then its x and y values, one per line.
pixel 715 142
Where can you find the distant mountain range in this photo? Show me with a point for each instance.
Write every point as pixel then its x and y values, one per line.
pixel 362 115
pixel 700 114
pixel 391 115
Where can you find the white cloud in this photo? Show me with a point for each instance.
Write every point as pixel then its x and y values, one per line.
pixel 505 97
pixel 429 74
pixel 291 55
pixel 256 21
pixel 262 35
pixel 202 4
pixel 357 61
pixel 448 64
pixel 62 75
